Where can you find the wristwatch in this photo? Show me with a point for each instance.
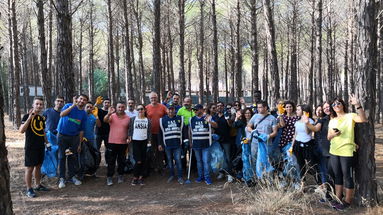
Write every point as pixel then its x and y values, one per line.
pixel 360 107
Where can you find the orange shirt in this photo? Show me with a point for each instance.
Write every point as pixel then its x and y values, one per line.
pixel 154 113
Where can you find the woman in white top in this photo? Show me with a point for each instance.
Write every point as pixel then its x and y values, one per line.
pixel 140 136
pixel 303 145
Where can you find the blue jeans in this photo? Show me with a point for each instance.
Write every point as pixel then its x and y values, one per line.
pixel 68 142
pixel 174 153
pixel 203 159
pixel 323 164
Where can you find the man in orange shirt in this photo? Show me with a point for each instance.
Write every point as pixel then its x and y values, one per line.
pixel 155 111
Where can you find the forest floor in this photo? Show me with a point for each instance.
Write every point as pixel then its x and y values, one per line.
pixel 156 197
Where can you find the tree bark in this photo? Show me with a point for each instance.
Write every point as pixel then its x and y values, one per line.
pixel 5 193
pixel 312 58
pixel 254 49
pixel 11 70
pixel 64 58
pixel 293 86
pixel 138 16
pixel 91 52
pixel 45 75
pixel 181 77
pixel 17 69
pixel 215 90
pixel 238 70
pixel 128 63
pixel 111 69
pixel 366 185
pixel 318 48
pixel 201 51
pixel 156 73
pixel 270 37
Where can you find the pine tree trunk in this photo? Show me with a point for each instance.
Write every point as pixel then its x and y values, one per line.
pixel 156 73
pixel 51 72
pixel 366 185
pixel 64 57
pixel 270 37
pixel 138 16
pixel 91 53
pixel 17 69
pixel 11 70
pixel 80 57
pixel 25 68
pixel 45 75
pixel 181 21
pixel 254 49
pixel 201 51
pixel 238 70
pixel 5 193
pixel 318 54
pixel 128 64
pixel 293 93
pixel 312 99
pixel 111 70
pixel 215 90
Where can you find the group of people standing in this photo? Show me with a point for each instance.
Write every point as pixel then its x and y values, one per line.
pixel 163 134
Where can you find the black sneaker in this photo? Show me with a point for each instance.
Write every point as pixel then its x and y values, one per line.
pixel 30 193
pixel 41 188
pixel 141 182
pixel 134 182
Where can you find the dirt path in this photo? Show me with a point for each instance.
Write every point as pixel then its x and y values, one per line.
pixel 156 197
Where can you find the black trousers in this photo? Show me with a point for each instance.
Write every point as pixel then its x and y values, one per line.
pixel 115 152
pixel 139 155
pixel 304 152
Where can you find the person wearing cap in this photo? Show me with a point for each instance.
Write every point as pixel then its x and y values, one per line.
pixel 170 139
pixel 200 133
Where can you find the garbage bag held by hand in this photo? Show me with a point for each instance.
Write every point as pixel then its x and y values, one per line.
pixel 217 157
pixel 248 168
pixel 291 168
pixel 50 163
pixel 263 164
pixel 87 158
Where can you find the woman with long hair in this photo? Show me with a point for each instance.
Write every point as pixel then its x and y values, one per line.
pixel 343 147
pixel 303 145
pixel 139 135
pixel 242 118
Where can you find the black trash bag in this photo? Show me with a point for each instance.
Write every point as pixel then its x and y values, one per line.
pixel 237 163
pixel 89 158
pixel 128 166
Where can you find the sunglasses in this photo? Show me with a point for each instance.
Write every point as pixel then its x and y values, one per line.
pixel 138 109
pixel 336 104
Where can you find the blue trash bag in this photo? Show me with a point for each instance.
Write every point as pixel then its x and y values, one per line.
pixel 263 164
pixel 50 163
pixel 273 151
pixel 290 168
pixel 248 167
pixel 217 156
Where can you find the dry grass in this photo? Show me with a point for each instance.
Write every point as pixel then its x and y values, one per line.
pixel 272 198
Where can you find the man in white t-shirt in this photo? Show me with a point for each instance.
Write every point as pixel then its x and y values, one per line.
pixel 131 111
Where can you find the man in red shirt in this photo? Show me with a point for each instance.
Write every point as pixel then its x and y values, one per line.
pixel 155 111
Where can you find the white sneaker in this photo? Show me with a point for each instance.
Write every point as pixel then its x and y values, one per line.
pixel 230 178
pixel 76 181
pixel 62 183
pixel 109 181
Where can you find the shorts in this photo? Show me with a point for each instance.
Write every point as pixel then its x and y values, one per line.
pixel 34 157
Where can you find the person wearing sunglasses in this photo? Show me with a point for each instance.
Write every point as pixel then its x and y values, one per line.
pixel 140 136
pixel 343 147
